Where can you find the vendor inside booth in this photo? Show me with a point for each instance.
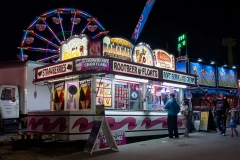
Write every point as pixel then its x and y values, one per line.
pixel 131 82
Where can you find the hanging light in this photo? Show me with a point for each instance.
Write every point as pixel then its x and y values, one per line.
pixel 212 62
pixel 199 60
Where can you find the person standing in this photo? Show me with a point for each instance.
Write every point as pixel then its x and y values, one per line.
pixel 173 109
pixel 185 115
pixel 221 108
pixel 233 123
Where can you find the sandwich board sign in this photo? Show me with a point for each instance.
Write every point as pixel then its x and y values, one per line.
pixel 100 124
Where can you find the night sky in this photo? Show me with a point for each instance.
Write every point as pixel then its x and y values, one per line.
pixel 206 24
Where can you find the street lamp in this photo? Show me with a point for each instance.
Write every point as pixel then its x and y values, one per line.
pixel 233 67
pixel 199 60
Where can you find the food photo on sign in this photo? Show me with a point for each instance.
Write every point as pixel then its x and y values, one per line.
pixel 95 48
pixel 85 94
pixel 71 96
pixel 163 60
pixel 206 74
pixel 58 98
pixel 143 54
pixel 227 77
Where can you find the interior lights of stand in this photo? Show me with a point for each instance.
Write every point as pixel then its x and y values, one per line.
pixel 174 85
pixel 131 79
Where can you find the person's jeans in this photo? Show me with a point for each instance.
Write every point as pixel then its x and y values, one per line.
pixel 220 121
pixel 172 126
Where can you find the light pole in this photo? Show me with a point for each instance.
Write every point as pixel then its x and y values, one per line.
pixel 229 42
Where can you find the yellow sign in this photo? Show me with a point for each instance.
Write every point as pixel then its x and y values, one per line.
pixel 74 47
pixel 118 48
pixel 204 121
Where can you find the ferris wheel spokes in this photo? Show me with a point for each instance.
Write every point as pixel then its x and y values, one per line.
pixel 73 22
pixel 48 58
pixel 60 21
pixel 39 49
pixel 49 28
pixel 89 21
pixel 33 23
pixel 24 37
pixel 42 38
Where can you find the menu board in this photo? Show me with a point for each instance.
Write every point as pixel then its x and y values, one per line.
pixel 227 77
pixel 121 96
pixel 104 93
pixel 206 74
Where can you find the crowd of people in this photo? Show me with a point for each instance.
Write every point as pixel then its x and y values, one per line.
pixel 219 108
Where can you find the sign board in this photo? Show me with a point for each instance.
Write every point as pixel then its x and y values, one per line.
pixel 197 125
pixel 181 66
pixel 188 95
pixel 206 73
pixel 227 77
pixel 182 58
pixel 163 60
pixel 100 124
pixel 204 121
pixel 177 77
pixel 117 48
pixel 93 136
pixel 132 69
pixel 86 64
pixel 54 70
pixel 119 137
pixel 143 54
pixel 207 122
pixel 76 46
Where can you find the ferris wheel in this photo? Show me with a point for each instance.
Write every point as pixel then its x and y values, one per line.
pixel 49 30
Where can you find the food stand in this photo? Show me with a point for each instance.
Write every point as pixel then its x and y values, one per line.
pixel 212 81
pixel 132 82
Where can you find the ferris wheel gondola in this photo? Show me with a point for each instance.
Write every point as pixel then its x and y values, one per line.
pixel 51 29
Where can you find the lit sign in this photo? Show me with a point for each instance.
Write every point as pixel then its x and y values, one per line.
pixel 163 60
pixel 117 48
pixel 135 69
pixel 54 70
pixel 143 54
pixel 227 77
pixel 74 47
pixel 86 64
pixel 206 73
pixel 177 77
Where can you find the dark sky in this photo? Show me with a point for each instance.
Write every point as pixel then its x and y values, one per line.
pixel 206 24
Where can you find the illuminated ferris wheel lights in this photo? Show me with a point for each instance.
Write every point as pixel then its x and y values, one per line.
pixel 47 58
pixel 84 13
pixel 35 21
pixel 24 37
pixel 49 12
pixel 41 23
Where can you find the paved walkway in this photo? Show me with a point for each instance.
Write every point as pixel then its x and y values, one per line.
pixel 199 146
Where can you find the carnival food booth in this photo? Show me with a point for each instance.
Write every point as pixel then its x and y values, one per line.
pixel 212 81
pixel 132 82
